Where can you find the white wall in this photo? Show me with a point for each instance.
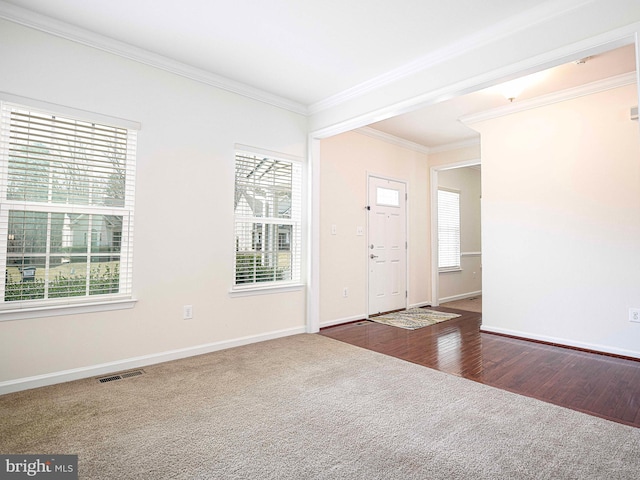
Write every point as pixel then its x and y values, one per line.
pixel 451 157
pixel 467 281
pixel 184 207
pixel 561 222
pixel 346 160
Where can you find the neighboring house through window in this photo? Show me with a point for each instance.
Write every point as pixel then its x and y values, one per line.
pixel 66 207
pixel 268 216
pixel 448 229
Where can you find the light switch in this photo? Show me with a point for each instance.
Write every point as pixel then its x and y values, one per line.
pixel 359 231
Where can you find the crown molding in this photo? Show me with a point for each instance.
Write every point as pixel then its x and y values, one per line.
pixel 67 31
pixel 542 13
pixel 417 147
pixel 555 97
pixel 393 140
pixel 474 142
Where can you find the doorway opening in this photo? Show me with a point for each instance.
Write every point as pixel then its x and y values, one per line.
pixel 587 61
pixel 456 237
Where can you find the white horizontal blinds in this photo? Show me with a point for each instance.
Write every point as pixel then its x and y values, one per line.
pixel 295 241
pixel 67 213
pixel 128 214
pixel 267 219
pixel 60 160
pixel 448 229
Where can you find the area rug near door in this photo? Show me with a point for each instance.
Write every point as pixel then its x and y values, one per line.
pixel 414 318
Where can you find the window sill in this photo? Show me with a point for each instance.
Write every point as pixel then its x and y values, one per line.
pixel 449 270
pixel 253 290
pixel 65 309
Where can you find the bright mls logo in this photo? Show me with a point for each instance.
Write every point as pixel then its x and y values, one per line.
pixel 51 467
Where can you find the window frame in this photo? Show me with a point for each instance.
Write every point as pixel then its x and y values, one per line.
pixel 33 308
pixel 294 246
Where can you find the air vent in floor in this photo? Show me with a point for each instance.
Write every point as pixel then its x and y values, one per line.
pixel 120 376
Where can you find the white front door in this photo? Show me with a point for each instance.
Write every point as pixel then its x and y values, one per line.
pixel 387 252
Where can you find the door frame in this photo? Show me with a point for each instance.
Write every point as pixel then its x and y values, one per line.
pixel 371 175
pixel 433 174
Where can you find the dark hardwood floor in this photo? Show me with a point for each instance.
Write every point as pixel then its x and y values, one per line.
pixel 600 385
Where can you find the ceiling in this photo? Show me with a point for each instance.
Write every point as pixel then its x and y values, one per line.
pixel 438 125
pixel 310 51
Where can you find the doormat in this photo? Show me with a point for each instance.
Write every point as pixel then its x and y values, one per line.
pixel 413 318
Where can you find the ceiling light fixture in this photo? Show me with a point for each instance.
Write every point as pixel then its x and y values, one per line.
pixel 582 61
pixel 510 90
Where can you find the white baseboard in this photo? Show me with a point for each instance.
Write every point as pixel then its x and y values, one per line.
pixel 331 323
pixel 363 316
pixel 561 341
pixel 421 304
pixel 461 296
pixel 26 383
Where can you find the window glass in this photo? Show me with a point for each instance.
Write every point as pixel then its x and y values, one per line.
pixel 68 206
pixel 448 229
pixel 387 197
pixel 268 216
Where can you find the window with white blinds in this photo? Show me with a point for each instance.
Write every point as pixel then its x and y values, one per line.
pixel 268 215
pixel 66 211
pixel 448 229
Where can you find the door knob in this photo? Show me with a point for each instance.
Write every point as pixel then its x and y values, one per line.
pixel 373 256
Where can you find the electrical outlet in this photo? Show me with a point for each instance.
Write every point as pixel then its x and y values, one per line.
pixel 187 312
pixel 345 292
pixel 634 315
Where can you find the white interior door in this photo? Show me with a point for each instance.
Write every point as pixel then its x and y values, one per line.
pixel 387 251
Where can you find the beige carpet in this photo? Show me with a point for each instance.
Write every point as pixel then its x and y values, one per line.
pixel 473 304
pixel 309 407
pixel 413 318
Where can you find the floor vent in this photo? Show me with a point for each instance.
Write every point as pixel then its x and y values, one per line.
pixel 120 376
